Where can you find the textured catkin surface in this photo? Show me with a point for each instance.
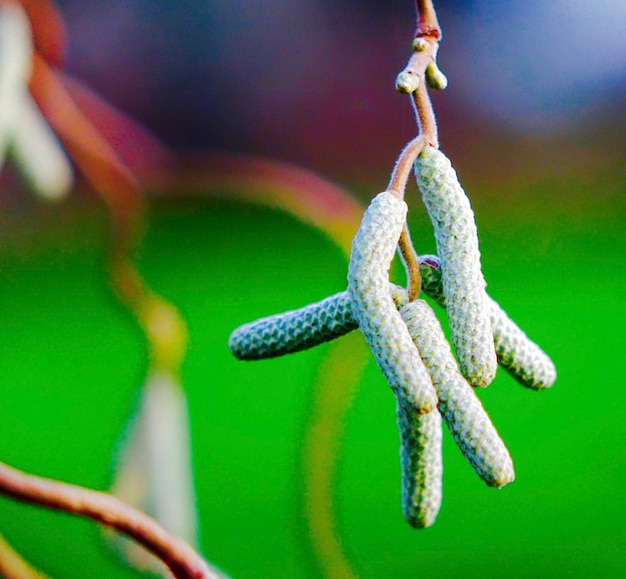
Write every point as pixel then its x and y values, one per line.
pixel 373 249
pixel 462 411
pixel 300 329
pixel 295 330
pixel 421 463
pixel 519 355
pixel 463 282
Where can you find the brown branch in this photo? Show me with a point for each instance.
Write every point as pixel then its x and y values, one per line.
pixel 180 558
pixel 420 68
pixel 411 263
pixel 422 64
pixel 425 117
pixel 428 136
pixel 427 23
pixel 404 163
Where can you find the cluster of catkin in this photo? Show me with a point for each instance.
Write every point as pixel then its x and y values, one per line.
pixel 408 342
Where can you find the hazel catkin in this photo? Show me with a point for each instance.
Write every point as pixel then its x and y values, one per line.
pixel 463 282
pixel 421 465
pixel 517 353
pixel 373 249
pixel 468 422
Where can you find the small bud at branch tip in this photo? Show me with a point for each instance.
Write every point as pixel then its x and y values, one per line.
pixel 407 82
pixel 435 78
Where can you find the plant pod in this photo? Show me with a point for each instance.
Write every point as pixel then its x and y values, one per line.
pixel 463 282
pixel 460 408
pixel 300 329
pixel 373 249
pixel 517 354
pixel 421 462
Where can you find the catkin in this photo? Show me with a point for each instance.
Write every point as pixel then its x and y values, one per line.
pixel 295 330
pixel 332 317
pixel 463 282
pixel 460 408
pixel 373 249
pixel 300 329
pixel 421 464
pixel 517 354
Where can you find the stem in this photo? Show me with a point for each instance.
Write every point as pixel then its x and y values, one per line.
pixel 180 558
pixel 428 136
pixel 427 24
pixel 411 263
pixel 401 171
pixel 425 116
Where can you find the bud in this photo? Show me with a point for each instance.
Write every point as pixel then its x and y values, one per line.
pixel 435 78
pixel 407 82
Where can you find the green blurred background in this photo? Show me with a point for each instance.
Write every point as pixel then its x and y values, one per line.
pixel 72 364
pixel 550 209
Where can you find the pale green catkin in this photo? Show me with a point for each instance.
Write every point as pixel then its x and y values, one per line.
pixel 295 330
pixel 332 317
pixel 373 249
pixel 300 329
pixel 463 282
pixel 421 464
pixel 517 354
pixel 460 408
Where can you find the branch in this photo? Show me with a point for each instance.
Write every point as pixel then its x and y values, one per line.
pixel 411 263
pixel 422 66
pixel 427 24
pixel 180 558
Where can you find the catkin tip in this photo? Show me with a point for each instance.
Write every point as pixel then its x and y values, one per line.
pixel 502 479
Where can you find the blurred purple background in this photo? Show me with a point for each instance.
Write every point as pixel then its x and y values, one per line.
pixel 312 81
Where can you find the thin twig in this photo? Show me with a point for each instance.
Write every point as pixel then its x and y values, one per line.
pixel 412 79
pixel 425 117
pixel 180 558
pixel 404 163
pixel 400 176
pixel 411 263
pixel 427 24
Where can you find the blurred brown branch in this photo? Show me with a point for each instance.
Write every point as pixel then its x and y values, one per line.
pixel 180 558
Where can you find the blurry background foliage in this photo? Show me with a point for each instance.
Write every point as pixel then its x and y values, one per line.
pixel 533 121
